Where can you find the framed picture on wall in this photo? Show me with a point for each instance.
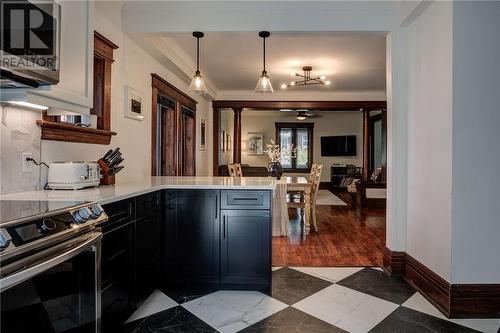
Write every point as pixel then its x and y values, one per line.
pixel 133 103
pixel 223 141
pixel 255 144
pixel 203 135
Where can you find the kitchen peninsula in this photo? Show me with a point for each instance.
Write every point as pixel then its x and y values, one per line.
pixel 177 233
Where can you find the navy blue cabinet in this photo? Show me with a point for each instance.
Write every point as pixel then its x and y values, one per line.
pixel 246 249
pixel 147 244
pixel 192 237
pixel 117 264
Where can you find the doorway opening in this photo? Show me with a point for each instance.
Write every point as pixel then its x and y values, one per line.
pixel 173 124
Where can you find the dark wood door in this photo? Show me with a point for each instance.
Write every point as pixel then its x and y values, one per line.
pixel 188 142
pixel 246 234
pixel 167 149
pixel 192 237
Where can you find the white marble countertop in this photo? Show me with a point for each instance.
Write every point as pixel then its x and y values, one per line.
pixel 111 193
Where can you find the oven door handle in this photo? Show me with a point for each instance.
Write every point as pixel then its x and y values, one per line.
pixel 42 261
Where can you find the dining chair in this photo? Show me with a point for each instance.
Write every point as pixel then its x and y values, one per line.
pixel 232 170
pixel 239 171
pixel 312 174
pixel 299 201
pixel 235 170
pixel 314 192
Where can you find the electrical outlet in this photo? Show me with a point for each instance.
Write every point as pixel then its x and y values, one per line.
pixel 26 166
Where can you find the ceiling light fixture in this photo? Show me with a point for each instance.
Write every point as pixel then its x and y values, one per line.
pixel 301 115
pixel 307 80
pixel 264 84
pixel 197 85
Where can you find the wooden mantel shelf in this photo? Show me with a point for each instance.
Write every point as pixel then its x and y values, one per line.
pixel 66 132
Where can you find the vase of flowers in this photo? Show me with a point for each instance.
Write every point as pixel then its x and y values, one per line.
pixel 276 153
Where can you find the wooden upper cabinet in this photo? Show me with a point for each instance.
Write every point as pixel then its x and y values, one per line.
pixel 103 58
pixel 52 126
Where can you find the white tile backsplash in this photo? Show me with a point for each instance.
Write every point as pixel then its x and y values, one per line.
pixel 19 133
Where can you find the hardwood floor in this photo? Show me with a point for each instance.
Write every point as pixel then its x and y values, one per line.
pixel 347 237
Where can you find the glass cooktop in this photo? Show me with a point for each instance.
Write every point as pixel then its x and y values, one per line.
pixel 11 210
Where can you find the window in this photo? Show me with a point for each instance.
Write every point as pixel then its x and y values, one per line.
pixel 299 135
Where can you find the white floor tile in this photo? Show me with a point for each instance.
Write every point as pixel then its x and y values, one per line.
pixel 156 302
pixel 346 308
pixel 275 268
pixel 332 274
pixel 419 303
pixel 377 268
pixel 232 311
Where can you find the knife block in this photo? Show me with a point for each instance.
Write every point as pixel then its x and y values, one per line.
pixel 106 179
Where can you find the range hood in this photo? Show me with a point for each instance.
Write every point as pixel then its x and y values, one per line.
pixel 33 62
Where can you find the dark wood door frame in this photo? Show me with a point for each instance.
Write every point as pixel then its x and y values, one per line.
pixel 159 85
pixel 276 105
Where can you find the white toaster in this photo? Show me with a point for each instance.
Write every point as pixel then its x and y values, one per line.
pixel 73 175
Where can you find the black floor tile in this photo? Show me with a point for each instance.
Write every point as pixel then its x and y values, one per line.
pixel 174 320
pixel 405 320
pixel 291 320
pixel 183 295
pixel 375 283
pixel 291 286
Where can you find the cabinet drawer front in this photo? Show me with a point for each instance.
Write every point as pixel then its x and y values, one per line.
pixel 118 212
pixel 246 199
pixel 147 203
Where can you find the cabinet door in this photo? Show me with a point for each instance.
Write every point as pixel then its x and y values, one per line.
pixel 192 248
pixel 74 91
pixel 117 265
pixel 246 247
pixel 147 246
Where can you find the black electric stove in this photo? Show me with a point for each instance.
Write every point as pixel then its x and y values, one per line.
pixel 50 266
pixel 13 210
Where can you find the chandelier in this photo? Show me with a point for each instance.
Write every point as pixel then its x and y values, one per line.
pixel 306 79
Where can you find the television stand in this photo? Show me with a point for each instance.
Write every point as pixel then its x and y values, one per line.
pixel 343 175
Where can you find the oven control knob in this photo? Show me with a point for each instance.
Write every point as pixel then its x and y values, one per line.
pixel 96 211
pixel 46 226
pixel 82 215
pixel 4 239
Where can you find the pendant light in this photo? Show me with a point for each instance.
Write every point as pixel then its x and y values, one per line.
pixel 264 84
pixel 198 86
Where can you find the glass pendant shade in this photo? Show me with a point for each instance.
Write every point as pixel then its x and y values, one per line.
pixel 197 85
pixel 264 85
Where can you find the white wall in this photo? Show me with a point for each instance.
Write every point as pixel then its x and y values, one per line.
pixel 132 66
pixel 430 138
pixel 328 124
pixel 476 143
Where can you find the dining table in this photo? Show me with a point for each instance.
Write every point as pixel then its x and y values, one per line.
pixel 302 185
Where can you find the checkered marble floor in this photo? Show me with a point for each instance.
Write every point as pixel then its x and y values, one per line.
pixel 304 299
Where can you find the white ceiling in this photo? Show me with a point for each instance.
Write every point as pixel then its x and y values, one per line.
pixel 233 60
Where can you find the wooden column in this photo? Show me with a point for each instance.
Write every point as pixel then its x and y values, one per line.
pixel 366 144
pixel 237 135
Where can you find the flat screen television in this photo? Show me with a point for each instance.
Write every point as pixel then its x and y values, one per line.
pixel 344 145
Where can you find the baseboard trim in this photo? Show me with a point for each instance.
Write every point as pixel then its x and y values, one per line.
pixel 453 300
pixel 394 262
pixel 431 286
pixel 481 300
